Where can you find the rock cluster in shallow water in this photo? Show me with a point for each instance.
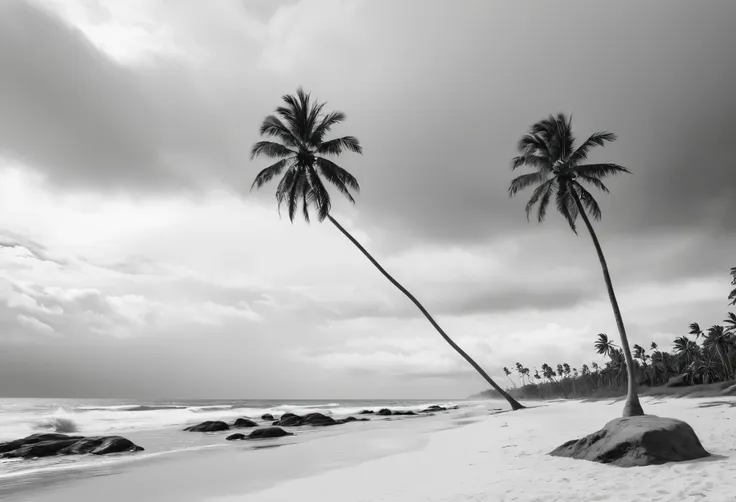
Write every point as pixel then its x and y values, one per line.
pixel 49 445
pixel 263 433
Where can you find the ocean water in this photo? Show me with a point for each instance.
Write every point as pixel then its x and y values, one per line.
pixel 157 426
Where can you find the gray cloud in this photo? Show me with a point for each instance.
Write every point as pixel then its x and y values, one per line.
pixel 438 105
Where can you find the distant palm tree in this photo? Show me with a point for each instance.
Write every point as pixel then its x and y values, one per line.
pixel 732 296
pixel 730 320
pixel 659 357
pixel 695 330
pixel 508 375
pixel 301 154
pixel 705 370
pixel 603 345
pixel 687 350
pixel 549 148
pixel 718 340
pixel 520 371
pixel 549 374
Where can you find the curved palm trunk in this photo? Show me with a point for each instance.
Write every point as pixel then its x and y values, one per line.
pixel 514 404
pixel 632 407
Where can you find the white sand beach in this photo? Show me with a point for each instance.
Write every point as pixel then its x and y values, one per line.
pixel 503 458
pixel 500 457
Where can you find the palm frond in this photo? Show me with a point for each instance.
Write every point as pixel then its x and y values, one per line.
pixel 272 126
pixel 325 126
pixel 566 204
pixel 595 139
pixel 533 144
pixel 305 205
pixel 600 170
pixel 270 172
pixel 543 192
pixel 695 329
pixel 731 321
pixel 588 201
pixel 564 137
pixel 336 146
pixel 296 113
pixel 297 191
pixel 312 118
pixel 270 149
pixel 338 177
pixel 285 186
pixel 318 194
pixel 595 182
pixel 531 160
pixel 523 181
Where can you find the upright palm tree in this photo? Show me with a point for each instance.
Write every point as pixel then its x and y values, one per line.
pixel 718 339
pixel 730 320
pixel 302 155
pixel 732 296
pixel 549 148
pixel 687 350
pixel 659 357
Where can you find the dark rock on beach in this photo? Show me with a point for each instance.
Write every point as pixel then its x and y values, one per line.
pixel 269 432
pixel 367 412
pixel 353 419
pixel 46 445
pixel 637 441
pixel 405 413
pixel 35 438
pixel 264 433
pixel 244 422
pixel 384 412
pixel 289 420
pixel 267 416
pixel 433 408
pixel 318 419
pixel 209 426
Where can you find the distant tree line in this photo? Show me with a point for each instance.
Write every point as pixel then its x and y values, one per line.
pixel 702 356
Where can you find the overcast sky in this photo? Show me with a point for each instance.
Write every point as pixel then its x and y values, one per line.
pixel 135 262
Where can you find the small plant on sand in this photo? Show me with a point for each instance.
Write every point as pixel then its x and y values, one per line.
pixel 549 149
pixel 303 159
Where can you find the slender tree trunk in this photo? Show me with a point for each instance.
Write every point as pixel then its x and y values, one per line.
pixel 512 382
pixel 632 407
pixel 515 405
pixel 564 396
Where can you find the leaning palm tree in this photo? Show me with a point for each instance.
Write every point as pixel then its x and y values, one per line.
pixel 695 330
pixel 302 155
pixel 549 148
pixel 604 345
pixel 508 375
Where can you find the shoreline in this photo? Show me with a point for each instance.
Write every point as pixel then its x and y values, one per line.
pixel 460 457
pixel 219 469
